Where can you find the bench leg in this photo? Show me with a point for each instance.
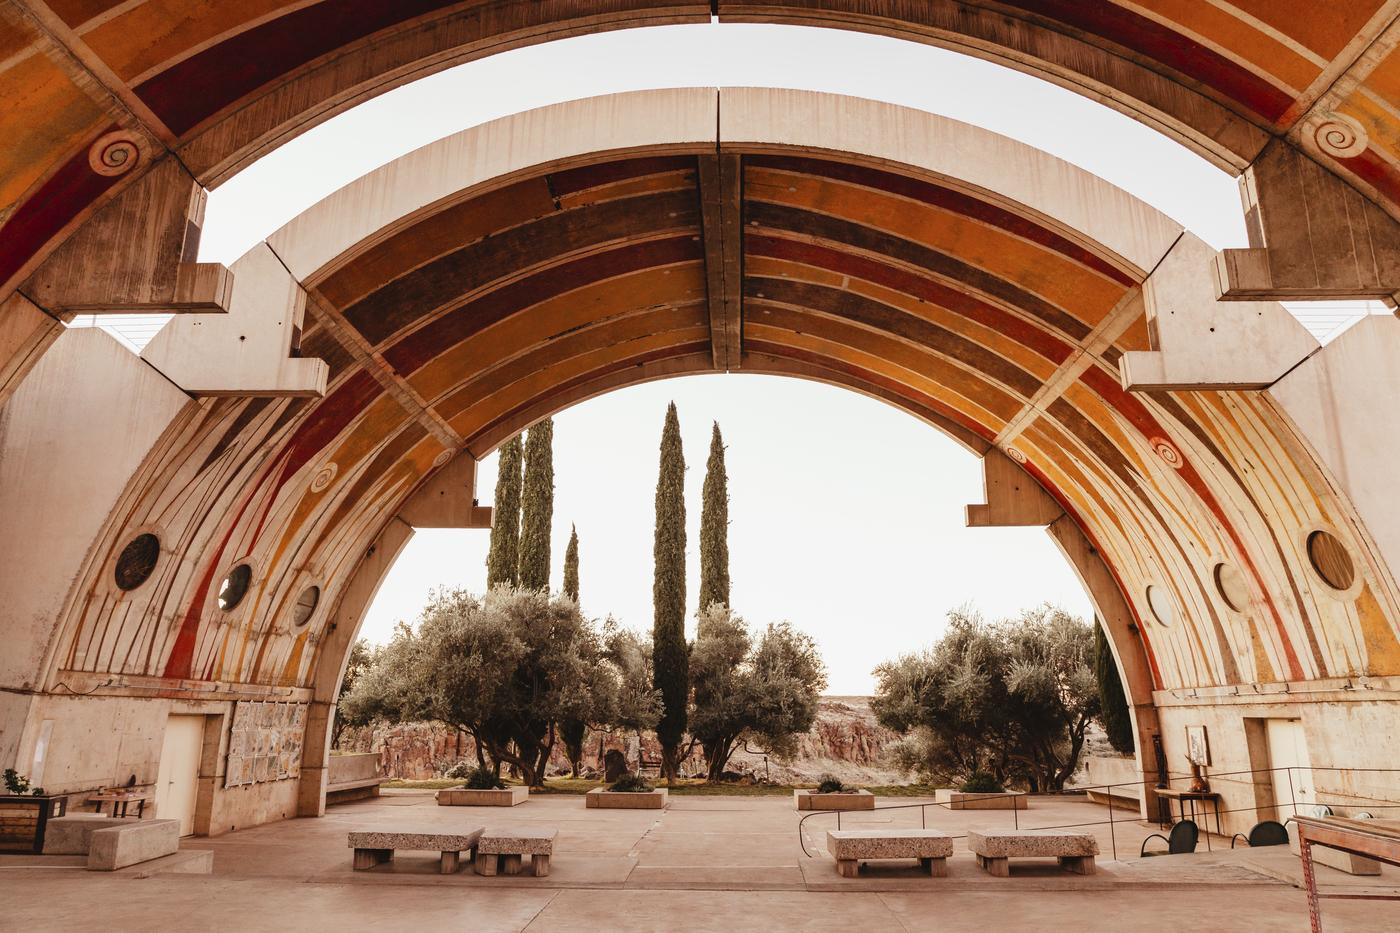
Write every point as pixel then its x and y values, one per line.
pixel 1080 865
pixel 485 864
pixel 848 868
pixel 997 867
pixel 365 859
pixel 936 867
pixel 451 861
pixel 510 864
pixel 539 865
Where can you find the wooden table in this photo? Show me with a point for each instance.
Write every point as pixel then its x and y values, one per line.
pixel 1377 839
pixel 1183 797
pixel 121 799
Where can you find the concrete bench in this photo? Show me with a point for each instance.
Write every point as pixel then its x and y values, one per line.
pixel 503 851
pixel 72 835
pixel 850 847
pixel 994 847
pixel 137 841
pixel 373 849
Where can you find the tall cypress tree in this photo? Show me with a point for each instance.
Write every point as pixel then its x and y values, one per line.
pixel 714 528
pixel 1117 723
pixel 537 506
pixel 670 657
pixel 571 565
pixel 503 559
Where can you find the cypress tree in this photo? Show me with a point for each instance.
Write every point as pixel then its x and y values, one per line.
pixel 1117 722
pixel 571 565
pixel 502 560
pixel 714 528
pixel 537 506
pixel 670 657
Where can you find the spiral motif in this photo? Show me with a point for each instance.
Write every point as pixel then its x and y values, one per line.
pixel 1015 454
pixel 1168 452
pixel 443 457
pixel 114 154
pixel 1340 136
pixel 323 477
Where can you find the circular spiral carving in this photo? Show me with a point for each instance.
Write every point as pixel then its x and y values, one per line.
pixel 323 477
pixel 443 457
pixel 1340 136
pixel 1168 452
pixel 114 154
pixel 1015 454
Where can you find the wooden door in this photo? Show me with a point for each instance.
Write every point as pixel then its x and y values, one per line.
pixel 177 780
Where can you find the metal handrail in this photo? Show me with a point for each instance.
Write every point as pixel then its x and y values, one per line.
pixel 1113 838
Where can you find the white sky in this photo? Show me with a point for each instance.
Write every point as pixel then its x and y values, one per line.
pixel 846 514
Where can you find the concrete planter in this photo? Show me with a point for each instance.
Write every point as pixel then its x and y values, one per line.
pixel 811 800
pixel 600 798
pixel 962 800
pixel 465 797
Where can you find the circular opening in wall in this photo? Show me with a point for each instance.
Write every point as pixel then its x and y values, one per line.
pixel 1331 560
pixel 1161 605
pixel 137 561
pixel 1231 586
pixel 235 587
pixel 306 604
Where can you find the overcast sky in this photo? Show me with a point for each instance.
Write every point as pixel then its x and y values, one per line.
pixel 846 514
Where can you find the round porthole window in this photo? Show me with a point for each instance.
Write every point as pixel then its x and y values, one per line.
pixel 1231 587
pixel 137 561
pixel 1331 560
pixel 235 587
pixel 306 605
pixel 1161 605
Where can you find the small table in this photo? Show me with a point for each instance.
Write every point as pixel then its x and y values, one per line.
pixel 121 799
pixel 1183 797
pixel 1377 839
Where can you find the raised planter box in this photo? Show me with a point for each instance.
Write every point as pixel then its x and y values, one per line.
pixel 856 800
pixel 465 797
pixel 603 799
pixel 24 819
pixel 963 800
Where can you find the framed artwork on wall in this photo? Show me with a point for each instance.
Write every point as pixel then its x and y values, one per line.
pixel 1197 746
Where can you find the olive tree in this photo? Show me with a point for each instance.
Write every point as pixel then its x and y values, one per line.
pixel 1012 698
pixel 766 690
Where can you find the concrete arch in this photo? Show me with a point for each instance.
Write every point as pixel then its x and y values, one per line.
pixel 1062 330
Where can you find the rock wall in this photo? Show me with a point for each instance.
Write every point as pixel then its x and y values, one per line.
pixel 845 741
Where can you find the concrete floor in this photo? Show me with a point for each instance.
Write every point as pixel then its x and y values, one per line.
pixel 710 863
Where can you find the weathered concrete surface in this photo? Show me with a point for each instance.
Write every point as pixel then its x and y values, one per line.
pixel 137 841
pixel 466 797
pixel 963 800
pixel 72 835
pixel 850 800
pixel 706 864
pixel 600 798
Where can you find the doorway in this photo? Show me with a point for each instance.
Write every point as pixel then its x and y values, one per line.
pixel 1292 769
pixel 177 778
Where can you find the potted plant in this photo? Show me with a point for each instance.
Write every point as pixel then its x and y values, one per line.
pixel 628 792
pixel 831 793
pixel 482 788
pixel 25 811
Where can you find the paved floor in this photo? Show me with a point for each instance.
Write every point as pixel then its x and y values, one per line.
pixel 706 864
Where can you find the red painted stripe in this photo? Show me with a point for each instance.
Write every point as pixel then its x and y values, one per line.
pixel 44 214
pixel 1128 405
pixel 909 283
pixel 947 199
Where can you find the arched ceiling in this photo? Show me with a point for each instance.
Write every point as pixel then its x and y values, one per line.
pixel 218 84
pixel 494 278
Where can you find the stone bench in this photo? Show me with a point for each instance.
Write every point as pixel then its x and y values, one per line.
pixel 503 851
pixel 138 841
pixel 374 848
pixel 850 847
pixel 72 835
pixel 993 848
